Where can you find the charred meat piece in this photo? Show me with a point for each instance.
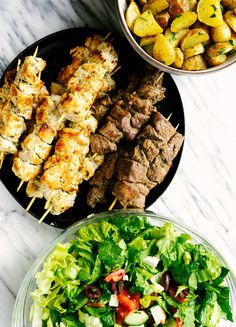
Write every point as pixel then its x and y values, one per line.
pixel 150 148
pixel 130 195
pixel 111 132
pixel 130 170
pixel 101 145
pixel 101 107
pixel 96 195
pixel 137 104
pixel 158 170
pixel 169 152
pixel 105 172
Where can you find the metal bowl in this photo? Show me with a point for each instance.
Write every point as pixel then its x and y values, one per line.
pixel 121 6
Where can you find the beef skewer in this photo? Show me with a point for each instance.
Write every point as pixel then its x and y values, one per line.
pixel 20 101
pixel 137 171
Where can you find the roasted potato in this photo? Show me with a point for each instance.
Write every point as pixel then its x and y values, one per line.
pixel 209 12
pixel 195 63
pixel 132 13
pixel 230 4
pixel 232 40
pixel 179 58
pixel 220 48
pixel 183 20
pixel 146 25
pixel 163 19
pixel 156 6
pixel 216 60
pixel 163 50
pixel 178 7
pixel 230 19
pixel 142 2
pixel 221 33
pixel 194 51
pixel 194 36
pixel 175 38
pixel 146 40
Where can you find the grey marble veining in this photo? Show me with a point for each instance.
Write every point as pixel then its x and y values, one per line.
pixel 203 192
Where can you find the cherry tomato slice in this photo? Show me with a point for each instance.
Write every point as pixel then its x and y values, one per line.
pixel 115 276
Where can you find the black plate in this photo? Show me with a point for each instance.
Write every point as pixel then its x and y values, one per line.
pixel 55 50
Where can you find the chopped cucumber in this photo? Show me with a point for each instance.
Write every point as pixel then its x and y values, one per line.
pixel 136 318
pixel 171 323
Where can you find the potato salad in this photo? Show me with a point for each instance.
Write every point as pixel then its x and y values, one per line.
pixel 185 34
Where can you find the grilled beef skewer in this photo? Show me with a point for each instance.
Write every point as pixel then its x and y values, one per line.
pixel 130 112
pixel 140 169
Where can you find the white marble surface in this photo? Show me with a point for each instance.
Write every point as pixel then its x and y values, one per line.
pixel 203 192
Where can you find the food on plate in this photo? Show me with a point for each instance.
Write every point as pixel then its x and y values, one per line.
pixel 76 125
pixel 127 272
pixel 70 163
pixel 164 25
pixel 19 97
pixel 133 172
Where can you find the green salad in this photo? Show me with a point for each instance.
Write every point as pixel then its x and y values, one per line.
pixel 128 272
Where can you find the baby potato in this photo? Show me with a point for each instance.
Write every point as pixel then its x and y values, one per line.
pixel 216 60
pixel 230 19
pixel 178 7
pixel 142 2
pixel 163 19
pixel 221 33
pixel 146 40
pixel 179 58
pixel 146 25
pixel 209 12
pixel 232 40
pixel 156 6
pixel 132 13
pixel 163 50
pixel 220 48
pixel 183 20
pixel 195 50
pixel 194 36
pixel 195 63
pixel 231 4
pixel 175 38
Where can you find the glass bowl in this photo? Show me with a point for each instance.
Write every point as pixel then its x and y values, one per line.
pixel 24 301
pixel 121 6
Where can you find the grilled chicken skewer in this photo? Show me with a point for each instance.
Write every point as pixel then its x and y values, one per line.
pixel 20 102
pixel 37 145
pixel 83 87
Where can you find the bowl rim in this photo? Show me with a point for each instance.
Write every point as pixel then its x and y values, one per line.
pixel 21 299
pixel 154 62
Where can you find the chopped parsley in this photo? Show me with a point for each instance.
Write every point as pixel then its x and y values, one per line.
pixel 231 42
pixel 213 16
pixel 222 51
pixel 214 8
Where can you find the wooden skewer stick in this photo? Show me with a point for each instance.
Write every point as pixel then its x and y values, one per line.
pixel 112 205
pixel 61 119
pixel 48 201
pixel 30 204
pixel 20 185
pixel 177 127
pixel 18 65
pixel 115 71
pixel 1 158
pixel 168 118
pixel 44 215
pixel 35 52
pixel 106 37
pixel 159 77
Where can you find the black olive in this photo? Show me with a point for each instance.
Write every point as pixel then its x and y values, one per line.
pixel 92 292
pixel 166 280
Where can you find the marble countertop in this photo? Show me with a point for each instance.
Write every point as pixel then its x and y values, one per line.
pixel 203 192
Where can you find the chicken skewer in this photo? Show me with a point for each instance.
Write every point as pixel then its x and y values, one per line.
pixel 82 92
pixel 29 161
pixel 20 102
